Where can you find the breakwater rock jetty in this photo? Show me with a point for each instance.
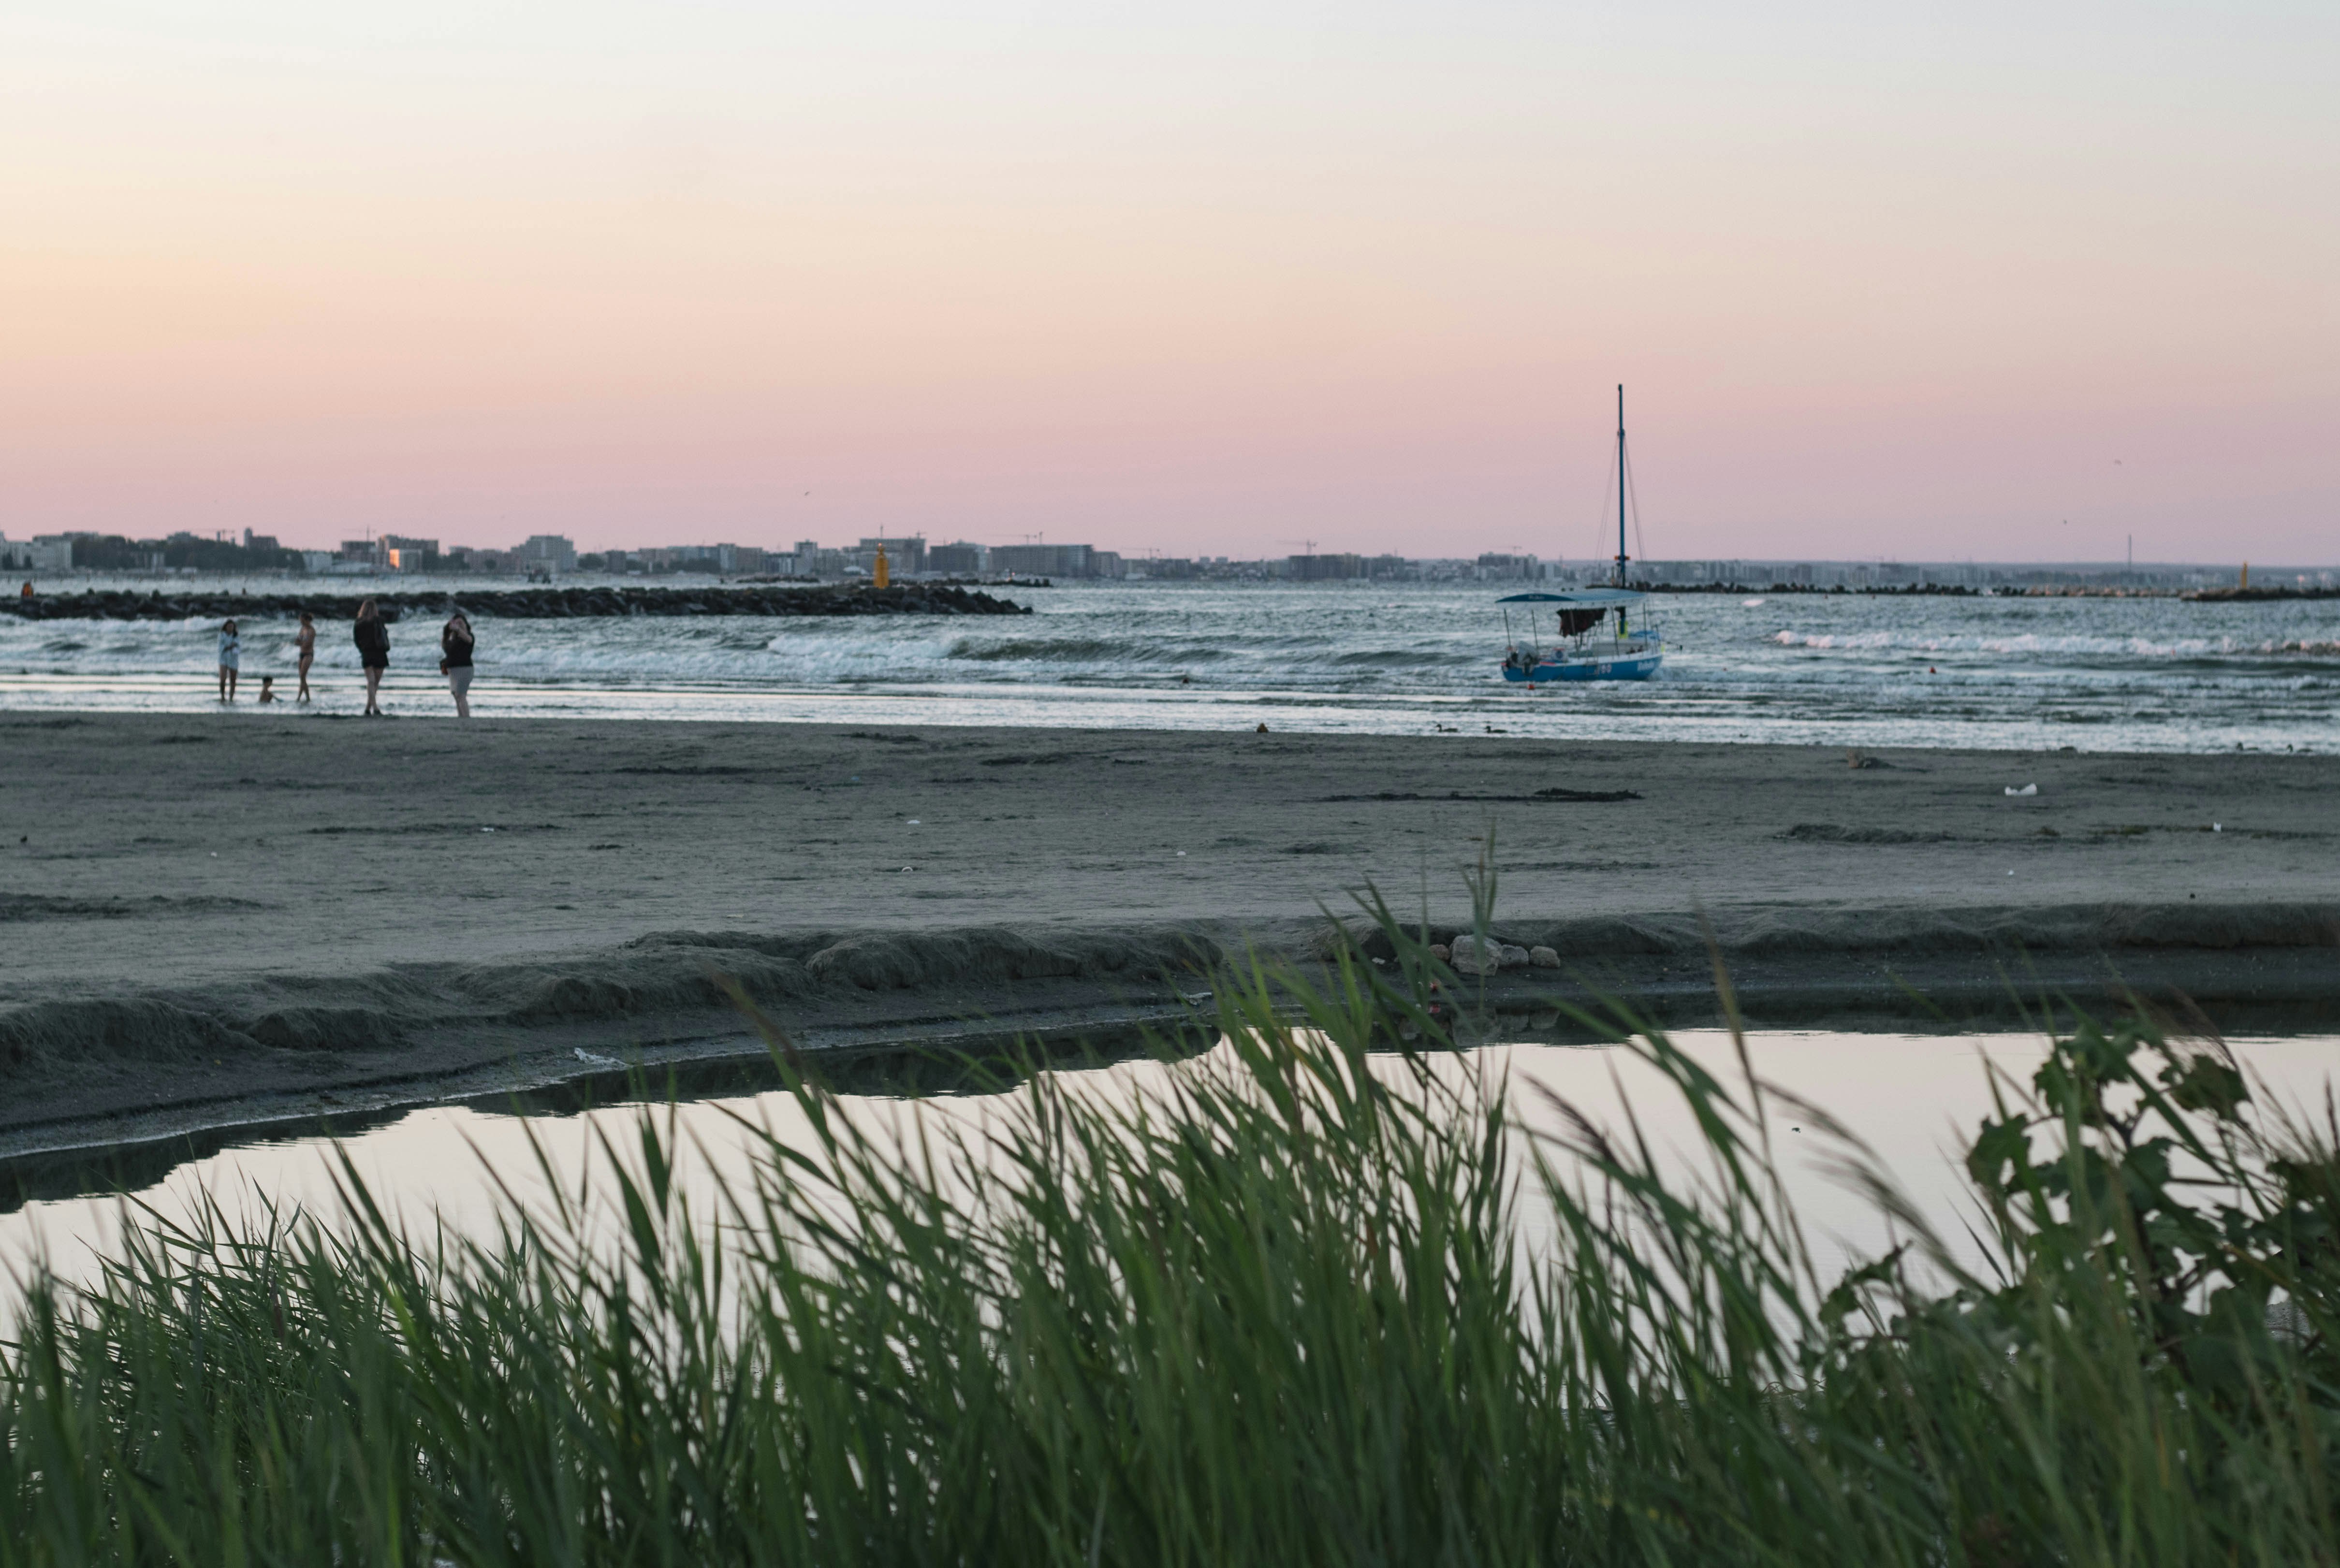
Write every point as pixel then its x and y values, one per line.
pixel 2239 596
pixel 521 604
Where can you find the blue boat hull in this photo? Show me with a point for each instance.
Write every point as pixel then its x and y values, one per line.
pixel 1629 667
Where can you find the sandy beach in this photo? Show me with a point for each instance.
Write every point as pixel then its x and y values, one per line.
pixel 221 911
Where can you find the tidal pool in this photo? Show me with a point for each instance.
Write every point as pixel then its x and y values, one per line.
pixel 1913 1099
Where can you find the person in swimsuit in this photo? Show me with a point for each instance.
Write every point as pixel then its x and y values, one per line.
pixel 455 642
pixel 230 656
pixel 374 652
pixel 305 639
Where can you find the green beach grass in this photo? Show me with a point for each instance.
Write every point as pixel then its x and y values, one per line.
pixel 1284 1312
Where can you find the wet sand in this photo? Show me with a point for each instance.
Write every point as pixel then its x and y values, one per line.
pixel 209 912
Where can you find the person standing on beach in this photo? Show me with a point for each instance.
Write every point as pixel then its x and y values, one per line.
pixel 305 640
pixel 230 656
pixel 374 652
pixel 455 641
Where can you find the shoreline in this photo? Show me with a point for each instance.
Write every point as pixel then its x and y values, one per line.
pixel 198 917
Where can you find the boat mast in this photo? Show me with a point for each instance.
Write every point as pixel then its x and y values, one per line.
pixel 1620 485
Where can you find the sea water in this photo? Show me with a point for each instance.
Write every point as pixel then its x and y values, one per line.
pixel 2095 673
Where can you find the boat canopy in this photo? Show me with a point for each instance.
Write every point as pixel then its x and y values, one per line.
pixel 1585 598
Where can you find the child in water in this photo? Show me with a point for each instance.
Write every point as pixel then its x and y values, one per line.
pixel 266 693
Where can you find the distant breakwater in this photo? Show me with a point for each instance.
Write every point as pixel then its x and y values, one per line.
pixel 2256 596
pixel 2004 590
pixel 521 603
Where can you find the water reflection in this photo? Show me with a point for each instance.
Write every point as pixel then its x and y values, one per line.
pixel 1914 1100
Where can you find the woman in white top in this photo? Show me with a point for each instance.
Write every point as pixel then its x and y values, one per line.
pixel 231 654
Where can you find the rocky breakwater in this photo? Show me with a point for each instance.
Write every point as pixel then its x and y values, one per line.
pixel 2240 595
pixel 519 604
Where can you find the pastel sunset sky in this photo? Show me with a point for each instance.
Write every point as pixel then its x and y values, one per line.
pixel 1929 282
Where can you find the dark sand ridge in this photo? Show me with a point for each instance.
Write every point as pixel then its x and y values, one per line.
pixel 210 911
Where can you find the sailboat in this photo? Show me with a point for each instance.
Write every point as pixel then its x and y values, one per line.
pixel 1595 633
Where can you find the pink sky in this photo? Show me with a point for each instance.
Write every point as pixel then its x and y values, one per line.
pixel 1360 275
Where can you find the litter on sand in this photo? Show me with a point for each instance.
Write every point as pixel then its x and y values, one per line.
pixel 2027 789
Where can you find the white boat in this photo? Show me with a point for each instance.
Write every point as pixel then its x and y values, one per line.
pixel 1596 634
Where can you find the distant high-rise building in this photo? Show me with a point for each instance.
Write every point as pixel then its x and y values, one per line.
pixel 548 552
pixel 1042 560
pixel 1498 566
pixel 401 554
pixel 1325 568
pixel 696 557
pixel 958 560
pixel 47 553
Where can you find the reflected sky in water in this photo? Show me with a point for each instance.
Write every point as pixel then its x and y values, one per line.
pixel 1914 1100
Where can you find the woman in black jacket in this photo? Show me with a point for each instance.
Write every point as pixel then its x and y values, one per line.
pixel 455 642
pixel 374 652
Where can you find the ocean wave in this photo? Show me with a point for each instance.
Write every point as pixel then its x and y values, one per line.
pixel 2140 675
pixel 1094 651
pixel 1392 659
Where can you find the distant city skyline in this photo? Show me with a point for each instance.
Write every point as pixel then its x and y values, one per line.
pixel 548 556
pixel 2012 285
